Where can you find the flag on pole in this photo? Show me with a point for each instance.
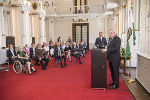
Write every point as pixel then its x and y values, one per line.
pixel 127 53
pixel 134 36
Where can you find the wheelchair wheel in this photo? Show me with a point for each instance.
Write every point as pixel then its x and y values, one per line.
pixel 25 69
pixel 17 67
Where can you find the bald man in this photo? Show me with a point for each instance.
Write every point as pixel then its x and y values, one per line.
pixel 113 56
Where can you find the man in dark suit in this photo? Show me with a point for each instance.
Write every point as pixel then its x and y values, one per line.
pixel 101 41
pixel 113 56
pixel 76 52
pixel 11 54
pixel 59 54
pixel 32 51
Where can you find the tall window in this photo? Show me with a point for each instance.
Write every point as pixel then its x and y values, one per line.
pixel 81 6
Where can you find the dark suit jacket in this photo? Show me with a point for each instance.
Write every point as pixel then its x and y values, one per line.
pixel 100 42
pixel 113 50
pixel 31 51
pixel 9 53
pixel 73 50
pixel 56 51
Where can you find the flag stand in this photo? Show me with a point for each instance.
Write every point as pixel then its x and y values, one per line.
pixel 130 80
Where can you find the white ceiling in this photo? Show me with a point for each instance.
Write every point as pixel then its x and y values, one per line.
pixel 66 6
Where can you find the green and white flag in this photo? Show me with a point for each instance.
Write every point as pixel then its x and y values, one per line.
pixel 134 36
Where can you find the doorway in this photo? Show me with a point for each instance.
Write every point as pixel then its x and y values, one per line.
pixel 80 32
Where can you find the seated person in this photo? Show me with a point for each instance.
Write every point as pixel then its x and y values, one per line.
pixel 11 54
pixel 32 51
pixel 24 59
pixel 84 46
pixel 82 49
pixel 76 53
pixel 68 51
pixel 27 50
pixel 63 45
pixel 46 48
pixel 59 54
pixel 51 48
pixel 41 56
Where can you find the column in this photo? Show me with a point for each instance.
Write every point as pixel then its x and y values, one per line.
pixel 42 33
pixel 47 29
pixel 42 30
pixel 1 25
pixel 51 29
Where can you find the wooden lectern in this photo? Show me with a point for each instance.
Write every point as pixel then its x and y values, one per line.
pixel 98 69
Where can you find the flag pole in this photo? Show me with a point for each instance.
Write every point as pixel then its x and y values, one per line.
pixel 130 80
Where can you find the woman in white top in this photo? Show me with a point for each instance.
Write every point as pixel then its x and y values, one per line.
pixel 46 48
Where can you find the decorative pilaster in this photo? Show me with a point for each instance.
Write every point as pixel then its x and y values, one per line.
pixel 25 22
pixel 1 25
pixel 42 33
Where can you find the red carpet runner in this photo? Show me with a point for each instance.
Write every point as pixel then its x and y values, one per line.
pixel 55 83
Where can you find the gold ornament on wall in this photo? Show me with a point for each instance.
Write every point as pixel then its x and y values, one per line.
pixel 22 12
pixel 34 5
pixel 8 12
pixel 1 4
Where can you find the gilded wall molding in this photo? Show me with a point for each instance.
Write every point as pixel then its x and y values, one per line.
pixel 8 12
pixel 22 12
pixel 1 4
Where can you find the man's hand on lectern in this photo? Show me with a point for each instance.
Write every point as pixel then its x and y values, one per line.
pixel 104 50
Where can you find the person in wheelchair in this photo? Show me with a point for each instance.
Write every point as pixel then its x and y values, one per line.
pixel 59 54
pixel 76 52
pixel 11 54
pixel 24 59
pixel 41 56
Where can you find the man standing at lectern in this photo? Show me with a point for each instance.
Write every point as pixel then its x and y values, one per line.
pixel 113 56
pixel 101 41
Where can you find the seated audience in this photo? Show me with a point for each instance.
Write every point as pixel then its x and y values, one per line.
pixel 24 59
pixel 11 54
pixel 41 56
pixel 76 53
pixel 59 54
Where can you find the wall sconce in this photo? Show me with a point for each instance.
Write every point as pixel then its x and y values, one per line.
pixel 22 12
pixel 8 12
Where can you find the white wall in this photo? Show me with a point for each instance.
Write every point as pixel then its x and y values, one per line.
pixel 62 28
pixel 96 25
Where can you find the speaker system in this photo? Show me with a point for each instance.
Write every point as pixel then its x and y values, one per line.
pixel 98 69
pixel 33 40
pixel 10 40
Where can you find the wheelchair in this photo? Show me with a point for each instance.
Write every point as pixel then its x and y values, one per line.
pixel 18 67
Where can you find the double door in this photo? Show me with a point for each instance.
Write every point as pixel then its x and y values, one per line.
pixel 81 33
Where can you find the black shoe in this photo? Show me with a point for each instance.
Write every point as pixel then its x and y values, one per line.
pixel 81 63
pixel 62 66
pixel 111 83
pixel 35 71
pixel 30 73
pixel 113 87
